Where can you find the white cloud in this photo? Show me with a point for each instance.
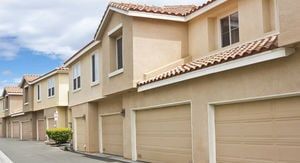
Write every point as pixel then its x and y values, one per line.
pixel 6 72
pixel 56 28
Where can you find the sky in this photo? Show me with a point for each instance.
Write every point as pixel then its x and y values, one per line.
pixel 37 36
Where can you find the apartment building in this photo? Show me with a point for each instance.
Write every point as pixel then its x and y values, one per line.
pixel 2 123
pixel 50 101
pixel 12 107
pixel 209 83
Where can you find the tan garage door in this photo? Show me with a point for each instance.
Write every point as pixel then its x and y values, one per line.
pixel 164 134
pixel 80 134
pixel 8 129
pixel 259 132
pixel 26 130
pixel 16 129
pixel 41 130
pixel 112 134
pixel 1 130
pixel 51 123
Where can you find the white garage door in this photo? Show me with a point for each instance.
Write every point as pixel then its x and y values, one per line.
pixel 80 134
pixel 259 132
pixel 112 134
pixel 16 129
pixel 164 134
pixel 26 130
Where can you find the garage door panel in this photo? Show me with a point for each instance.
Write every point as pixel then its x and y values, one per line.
pixel 80 134
pixel 112 134
pixel 16 130
pixel 26 130
pixel 41 130
pixel 270 132
pixel 164 134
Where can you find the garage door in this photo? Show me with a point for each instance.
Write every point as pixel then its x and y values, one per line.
pixel 260 132
pixel 80 134
pixel 51 123
pixel 16 129
pixel 41 130
pixel 8 129
pixel 26 130
pixel 112 134
pixel 1 130
pixel 164 135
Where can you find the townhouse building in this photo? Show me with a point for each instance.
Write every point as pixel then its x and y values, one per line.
pixel 210 83
pixel 2 123
pixel 12 107
pixel 50 101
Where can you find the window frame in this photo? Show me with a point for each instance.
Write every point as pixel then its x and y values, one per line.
pixel 76 77
pixel 51 88
pixel 116 53
pixel 228 14
pixel 26 95
pixel 96 71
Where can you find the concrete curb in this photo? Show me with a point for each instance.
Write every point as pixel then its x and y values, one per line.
pixel 4 158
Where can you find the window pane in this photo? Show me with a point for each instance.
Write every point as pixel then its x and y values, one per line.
pixel 119 53
pixel 49 92
pixel 52 91
pixel 225 25
pixel 78 82
pixel 74 84
pixel 93 68
pixel 235 36
pixel 234 21
pixel 225 39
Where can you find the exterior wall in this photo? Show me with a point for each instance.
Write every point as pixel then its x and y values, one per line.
pixel 87 92
pixel 157 43
pixel 124 80
pixel 2 111
pixel 289 21
pixel 90 112
pixel 61 92
pixel 15 104
pixel 264 79
pixel 28 106
pixel 62 115
pixel 256 19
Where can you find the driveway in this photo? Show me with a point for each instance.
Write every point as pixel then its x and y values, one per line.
pixel 37 152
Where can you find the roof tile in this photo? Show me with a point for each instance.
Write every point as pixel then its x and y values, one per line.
pixel 234 53
pixel 13 89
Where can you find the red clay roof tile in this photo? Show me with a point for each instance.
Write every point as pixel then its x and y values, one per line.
pixel 234 53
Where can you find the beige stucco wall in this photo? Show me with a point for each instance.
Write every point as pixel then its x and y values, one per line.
pixel 157 43
pixel 29 105
pixel 256 19
pixel 90 112
pixel 124 80
pixel 62 115
pixel 2 107
pixel 15 104
pixel 87 92
pixel 61 92
pixel 289 21
pixel 269 78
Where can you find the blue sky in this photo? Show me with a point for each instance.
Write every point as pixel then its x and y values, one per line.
pixel 37 36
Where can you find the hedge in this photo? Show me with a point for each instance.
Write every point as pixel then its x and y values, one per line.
pixel 59 135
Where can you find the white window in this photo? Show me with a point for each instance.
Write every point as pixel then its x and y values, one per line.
pixel 38 92
pixel 51 87
pixel 95 68
pixel 119 53
pixel 230 29
pixel 76 77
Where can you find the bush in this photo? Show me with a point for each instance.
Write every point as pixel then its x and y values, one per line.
pixel 59 135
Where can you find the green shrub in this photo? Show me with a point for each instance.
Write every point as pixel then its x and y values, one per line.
pixel 59 135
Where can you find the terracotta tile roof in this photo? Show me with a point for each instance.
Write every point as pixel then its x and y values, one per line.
pixel 176 10
pixel 30 78
pixel 13 89
pixel 234 53
pixel 56 70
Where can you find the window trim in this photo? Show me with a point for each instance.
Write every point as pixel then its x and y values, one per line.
pixel 73 77
pixel 97 69
pixel 53 87
pixel 39 93
pixel 219 28
pixel 26 95
pixel 116 53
